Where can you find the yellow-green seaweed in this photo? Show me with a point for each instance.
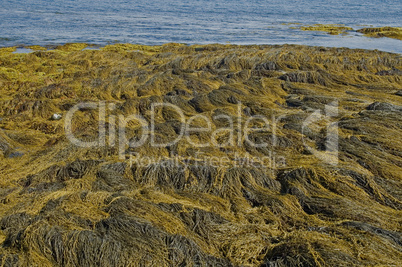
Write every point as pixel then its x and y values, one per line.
pixel 390 32
pixel 333 29
pixel 63 205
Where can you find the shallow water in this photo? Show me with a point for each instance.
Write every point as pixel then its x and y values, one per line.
pixel 47 22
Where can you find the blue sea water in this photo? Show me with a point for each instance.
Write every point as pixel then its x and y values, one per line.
pixel 49 22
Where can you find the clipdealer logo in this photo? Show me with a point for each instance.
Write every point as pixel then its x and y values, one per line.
pixel 238 130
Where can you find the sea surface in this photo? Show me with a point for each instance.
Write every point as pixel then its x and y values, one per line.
pixel 152 22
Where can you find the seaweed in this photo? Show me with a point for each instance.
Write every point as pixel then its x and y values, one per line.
pixel 63 205
pixel 390 32
pixel 333 29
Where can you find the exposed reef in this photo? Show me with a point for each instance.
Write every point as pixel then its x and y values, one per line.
pixel 336 29
pixel 333 29
pixel 390 32
pixel 318 201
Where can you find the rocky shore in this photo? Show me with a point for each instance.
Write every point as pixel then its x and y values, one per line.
pixel 325 190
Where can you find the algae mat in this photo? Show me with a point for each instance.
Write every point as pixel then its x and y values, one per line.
pixel 254 156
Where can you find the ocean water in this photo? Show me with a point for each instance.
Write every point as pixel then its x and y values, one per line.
pixel 50 22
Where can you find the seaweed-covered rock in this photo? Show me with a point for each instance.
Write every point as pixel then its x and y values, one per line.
pixel 110 180
pixel 383 106
pixel 284 203
pixel 294 102
pixel 306 77
pixel 393 71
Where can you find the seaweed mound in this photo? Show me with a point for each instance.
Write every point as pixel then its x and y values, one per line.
pixel 334 29
pixel 390 32
pixel 320 185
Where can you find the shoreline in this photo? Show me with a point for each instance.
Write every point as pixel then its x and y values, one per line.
pixel 24 49
pixel 325 35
